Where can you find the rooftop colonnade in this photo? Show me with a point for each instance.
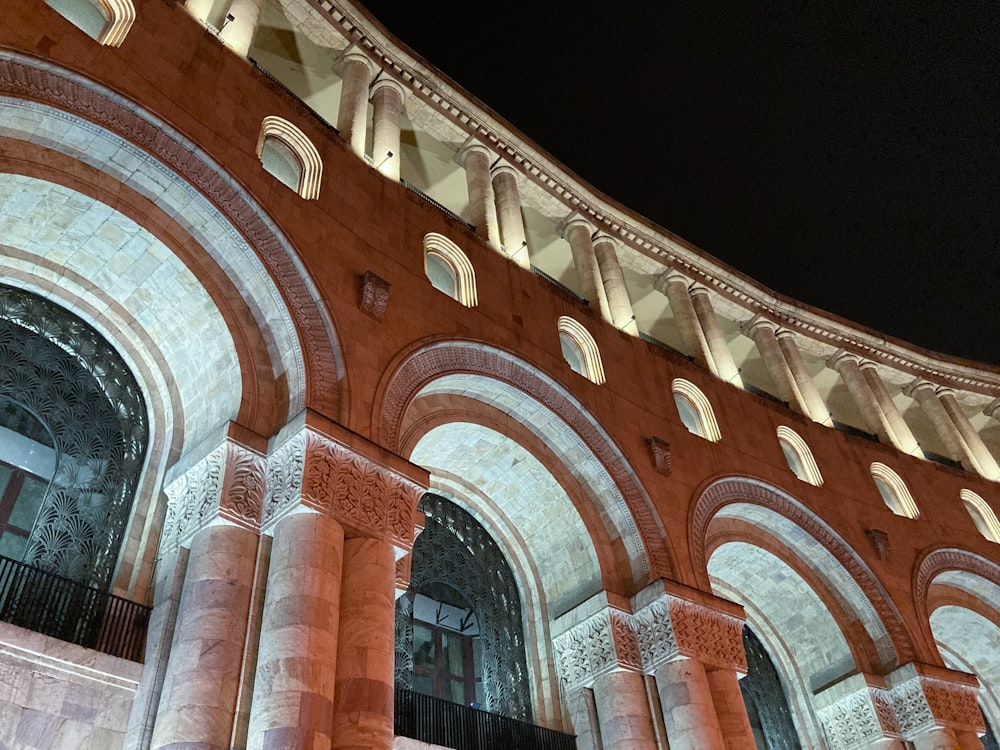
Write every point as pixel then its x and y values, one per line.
pixel 629 549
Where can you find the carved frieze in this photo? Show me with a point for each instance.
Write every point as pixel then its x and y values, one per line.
pixel 226 485
pixel 923 702
pixel 860 719
pixel 671 627
pixel 603 643
pixel 374 295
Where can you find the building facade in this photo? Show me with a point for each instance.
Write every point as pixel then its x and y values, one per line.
pixel 331 405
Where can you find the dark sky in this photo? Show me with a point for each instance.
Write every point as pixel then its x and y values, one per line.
pixel 845 154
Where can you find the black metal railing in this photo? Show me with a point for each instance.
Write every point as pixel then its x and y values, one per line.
pixel 851 430
pixel 440 206
pixel 62 608
pixel 558 284
pixel 438 722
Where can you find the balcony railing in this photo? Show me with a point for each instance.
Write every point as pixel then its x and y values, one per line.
pixel 62 608
pixel 438 722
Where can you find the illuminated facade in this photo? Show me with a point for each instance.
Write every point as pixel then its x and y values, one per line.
pixel 369 399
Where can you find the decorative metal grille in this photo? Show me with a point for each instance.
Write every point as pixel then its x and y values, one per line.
pixel 63 371
pixel 456 550
pixel 765 699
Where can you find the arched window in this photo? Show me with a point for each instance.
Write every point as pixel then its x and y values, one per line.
pixel 799 457
pixel 289 156
pixel 894 491
pixel 449 270
pixel 695 411
pixel 106 21
pixel 580 350
pixel 982 515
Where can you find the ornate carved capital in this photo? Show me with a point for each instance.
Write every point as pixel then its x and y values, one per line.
pixel 226 486
pixel 857 713
pixel 364 496
pixel 928 697
pixel 604 642
pixel 659 455
pixel 672 627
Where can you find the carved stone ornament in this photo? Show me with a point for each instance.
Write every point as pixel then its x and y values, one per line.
pixel 227 485
pixel 859 719
pixel 312 470
pixel 601 644
pixel 923 702
pixel 880 543
pixel 374 295
pixel 671 627
pixel 659 454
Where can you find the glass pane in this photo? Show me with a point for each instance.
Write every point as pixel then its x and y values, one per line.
pixel 456 691
pixel 688 414
pixel 5 473
pixel 423 684
pixel 281 162
pixel 423 646
pixel 13 545
pixel 440 275
pixel 452 646
pixel 794 463
pixel 29 500
pixel 572 354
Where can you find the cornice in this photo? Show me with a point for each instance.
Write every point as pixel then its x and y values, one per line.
pixel 823 332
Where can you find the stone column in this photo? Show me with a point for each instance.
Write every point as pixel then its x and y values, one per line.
pixel 200 9
pixel 387 99
pixel 239 32
pixel 352 117
pixel 763 333
pixel 214 511
pixel 985 462
pixel 675 286
pixel 619 305
pixel 815 408
pixel 623 711
pixel 363 706
pixel 899 431
pixel 849 369
pixel 476 158
pixel 688 709
pixel 725 366
pixel 577 232
pixel 198 699
pixel 925 394
pixel 582 709
pixel 937 708
pixel 731 709
pixel 512 234
pixel 296 662
pixel 858 713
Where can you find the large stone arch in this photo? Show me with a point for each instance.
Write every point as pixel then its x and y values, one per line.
pixel 155 158
pixel 957 595
pixel 501 379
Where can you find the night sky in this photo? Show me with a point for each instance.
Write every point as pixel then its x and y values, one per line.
pixel 844 154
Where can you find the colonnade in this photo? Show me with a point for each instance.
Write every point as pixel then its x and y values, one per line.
pixel 669 661
pixel 277 581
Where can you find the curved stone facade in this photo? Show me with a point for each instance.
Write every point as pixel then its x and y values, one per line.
pixel 661 450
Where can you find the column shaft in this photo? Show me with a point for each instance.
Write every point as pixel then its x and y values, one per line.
pixel 688 709
pixel 731 710
pixel 850 372
pixel 675 287
pixel 387 103
pixel 815 408
pixel 578 233
pixel 200 9
pixel 239 32
pixel 623 712
pixel 198 699
pixel 363 702
pixel 296 663
pixel 508 198
pixel 482 203
pixel 939 738
pixel 583 713
pixel 619 305
pixel 984 460
pixel 899 431
pixel 725 366
pixel 763 333
pixel 925 395
pixel 352 117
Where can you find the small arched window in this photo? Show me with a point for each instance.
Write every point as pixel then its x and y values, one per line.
pixel 894 491
pixel 106 21
pixel 289 156
pixel 799 457
pixel 580 350
pixel 695 411
pixel 982 515
pixel 449 269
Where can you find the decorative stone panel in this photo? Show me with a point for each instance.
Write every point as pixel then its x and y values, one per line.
pixel 659 455
pixel 857 713
pixel 604 642
pixel 227 486
pixel 317 472
pixel 924 699
pixel 672 627
pixel 374 295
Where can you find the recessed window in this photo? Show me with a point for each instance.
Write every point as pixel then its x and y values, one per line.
pixel 982 515
pixel 290 157
pixel 894 492
pixel 449 270
pixel 694 410
pixel 106 21
pixel 799 457
pixel 580 350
